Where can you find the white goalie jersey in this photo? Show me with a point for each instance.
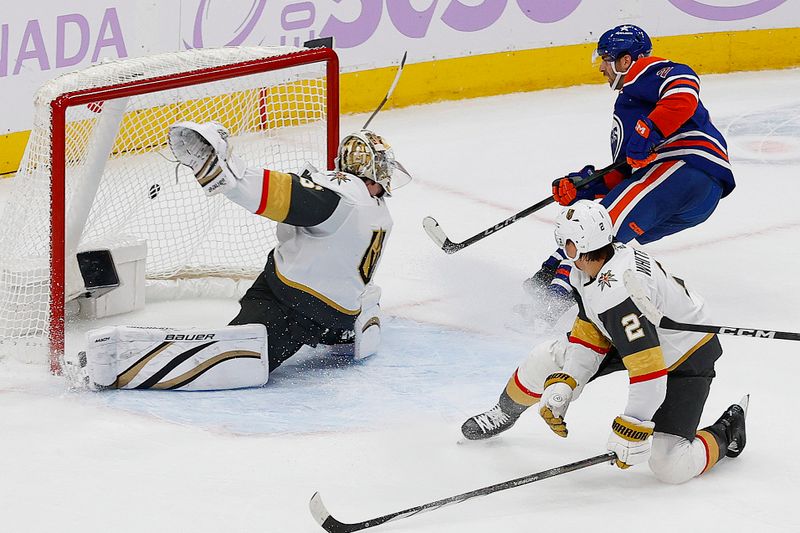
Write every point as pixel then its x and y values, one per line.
pixel 351 241
pixel 329 245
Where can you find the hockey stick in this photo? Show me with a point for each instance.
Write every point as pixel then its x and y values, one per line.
pixel 437 235
pixel 330 524
pixel 389 93
pixel 654 315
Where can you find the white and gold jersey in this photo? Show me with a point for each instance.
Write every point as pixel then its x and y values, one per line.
pixel 335 259
pixel 608 317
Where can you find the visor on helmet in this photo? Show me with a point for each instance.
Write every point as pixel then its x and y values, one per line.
pixel 368 155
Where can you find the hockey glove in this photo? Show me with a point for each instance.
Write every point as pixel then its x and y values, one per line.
pixel 643 142
pixel 557 394
pixel 206 150
pixel 566 192
pixel 630 440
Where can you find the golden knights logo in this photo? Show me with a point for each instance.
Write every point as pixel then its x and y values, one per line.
pixel 605 279
pixel 370 260
pixel 340 177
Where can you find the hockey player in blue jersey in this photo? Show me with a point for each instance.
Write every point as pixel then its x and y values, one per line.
pixel 677 161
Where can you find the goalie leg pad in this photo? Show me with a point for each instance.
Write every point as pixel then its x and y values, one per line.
pixel 230 357
pixel 365 338
pixel 368 324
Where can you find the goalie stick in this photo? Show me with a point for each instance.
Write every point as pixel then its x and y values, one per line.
pixel 389 92
pixel 332 525
pixel 437 235
pixel 654 315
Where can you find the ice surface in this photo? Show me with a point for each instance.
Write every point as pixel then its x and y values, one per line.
pixel 383 435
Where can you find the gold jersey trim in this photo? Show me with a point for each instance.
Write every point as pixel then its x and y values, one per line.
pixel 279 196
pixel 645 362
pixel 315 294
pixel 588 333
pixel 693 349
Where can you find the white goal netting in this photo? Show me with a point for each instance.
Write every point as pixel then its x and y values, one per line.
pixel 120 183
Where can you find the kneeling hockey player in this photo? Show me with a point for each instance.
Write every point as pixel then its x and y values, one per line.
pixel 670 371
pixel 316 287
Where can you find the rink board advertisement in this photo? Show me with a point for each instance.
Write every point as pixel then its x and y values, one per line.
pixel 456 48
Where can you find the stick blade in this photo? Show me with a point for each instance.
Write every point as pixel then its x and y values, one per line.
pixel 639 297
pixel 437 235
pixel 434 231
pixel 318 509
pixel 324 518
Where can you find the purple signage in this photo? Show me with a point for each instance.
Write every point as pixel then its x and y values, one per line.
pixel 405 18
pixel 412 22
pixel 726 13
pixel 29 49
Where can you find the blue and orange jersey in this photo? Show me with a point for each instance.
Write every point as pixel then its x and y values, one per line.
pixel 668 93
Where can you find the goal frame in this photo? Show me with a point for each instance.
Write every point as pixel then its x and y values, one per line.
pixel 60 105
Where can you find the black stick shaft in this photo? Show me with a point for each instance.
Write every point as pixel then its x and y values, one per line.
pixel 451 247
pixel 334 526
pixel 668 323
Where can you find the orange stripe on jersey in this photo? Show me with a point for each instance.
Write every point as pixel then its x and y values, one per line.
pixel 634 191
pixel 519 393
pixel 645 365
pixel 672 111
pixel 276 195
pixel 586 334
pixel 682 81
pixel 563 271
pixel 639 65
pixel 705 144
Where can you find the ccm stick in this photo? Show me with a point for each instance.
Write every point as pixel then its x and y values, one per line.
pixel 437 235
pixel 654 315
pixel 332 525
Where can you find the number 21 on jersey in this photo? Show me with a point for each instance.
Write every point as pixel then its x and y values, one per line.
pixel 370 260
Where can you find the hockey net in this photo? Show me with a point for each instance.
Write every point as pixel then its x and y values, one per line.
pixel 98 172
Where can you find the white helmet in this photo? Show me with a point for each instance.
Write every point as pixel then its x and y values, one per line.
pixel 585 223
pixel 368 155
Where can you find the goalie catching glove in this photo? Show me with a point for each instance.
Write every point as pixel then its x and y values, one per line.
pixel 206 150
pixel 556 396
pixel 630 439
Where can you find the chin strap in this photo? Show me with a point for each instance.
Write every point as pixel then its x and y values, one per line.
pixel 615 86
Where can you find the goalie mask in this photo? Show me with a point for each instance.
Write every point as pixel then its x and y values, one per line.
pixel 368 155
pixel 587 224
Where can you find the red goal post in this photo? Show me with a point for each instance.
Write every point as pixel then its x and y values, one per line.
pixel 98 151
